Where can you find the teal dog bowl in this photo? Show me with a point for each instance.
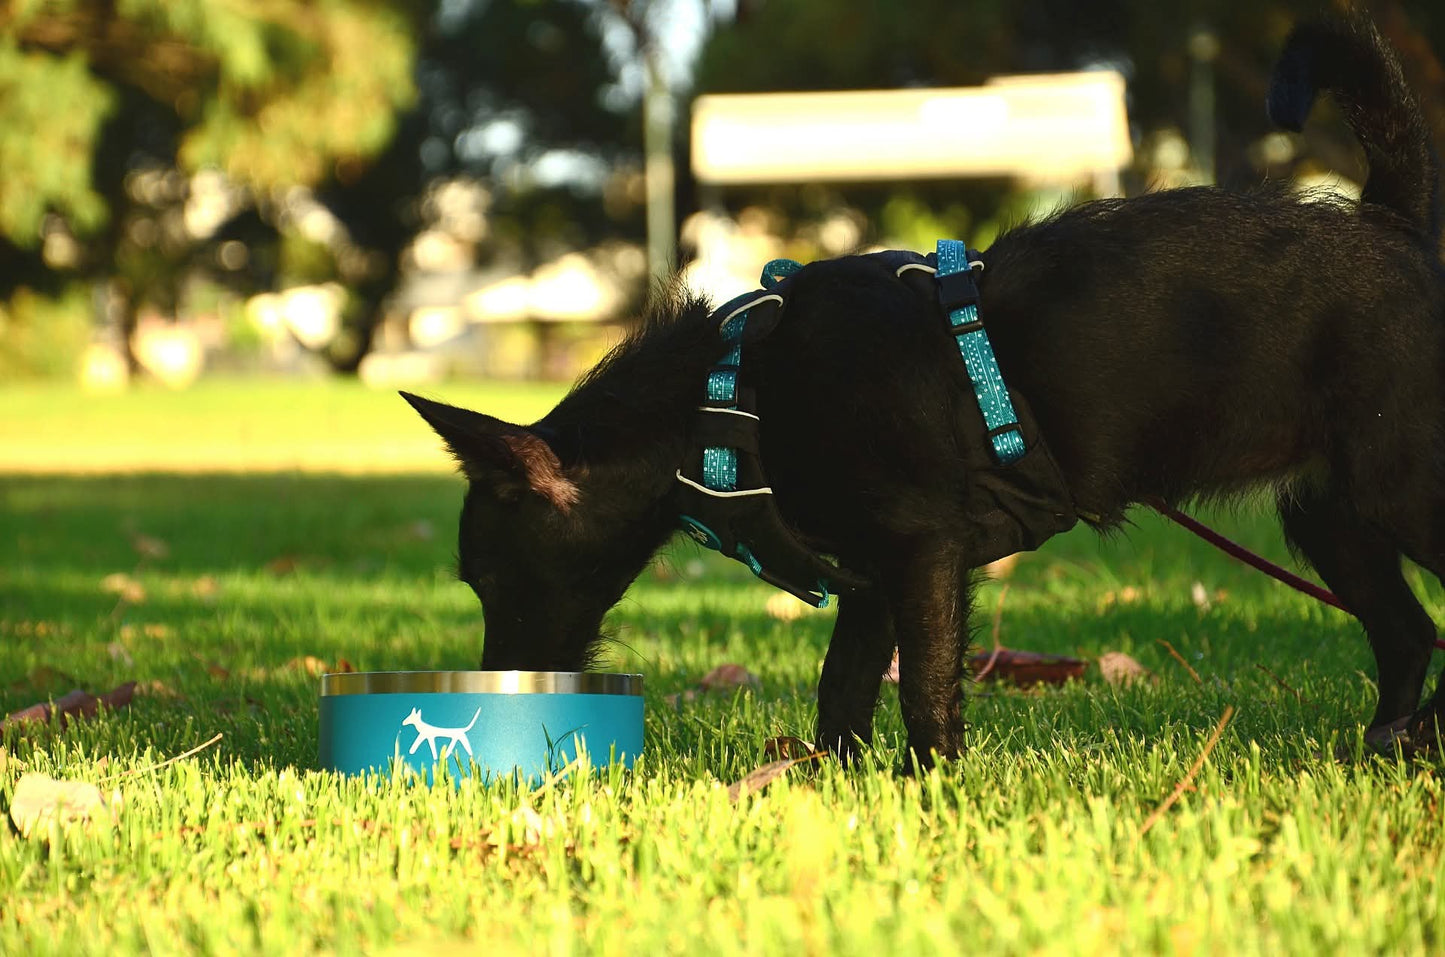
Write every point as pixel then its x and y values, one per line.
pixel 495 723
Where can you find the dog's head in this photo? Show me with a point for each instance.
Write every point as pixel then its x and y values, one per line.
pixel 541 542
pixel 414 718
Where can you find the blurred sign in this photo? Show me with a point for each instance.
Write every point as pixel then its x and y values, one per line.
pixel 1047 127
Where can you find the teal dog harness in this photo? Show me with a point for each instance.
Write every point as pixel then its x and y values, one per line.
pixel 1017 496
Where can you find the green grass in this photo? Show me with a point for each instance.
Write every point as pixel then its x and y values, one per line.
pixel 244 424
pixel 1029 843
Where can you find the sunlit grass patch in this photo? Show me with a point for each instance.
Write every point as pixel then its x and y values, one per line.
pixel 1033 841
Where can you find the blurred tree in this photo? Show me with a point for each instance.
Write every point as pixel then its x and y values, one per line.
pixel 107 112
pixel 101 103
pixel 817 44
pixel 518 98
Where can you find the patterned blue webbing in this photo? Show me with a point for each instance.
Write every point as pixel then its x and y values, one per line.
pixel 978 358
pixel 720 463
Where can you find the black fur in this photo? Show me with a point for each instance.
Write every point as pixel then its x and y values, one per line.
pixel 1197 342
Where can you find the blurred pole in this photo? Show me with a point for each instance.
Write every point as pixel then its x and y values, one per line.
pixel 1203 48
pixel 657 123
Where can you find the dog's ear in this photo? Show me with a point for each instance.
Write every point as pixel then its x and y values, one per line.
pixel 498 455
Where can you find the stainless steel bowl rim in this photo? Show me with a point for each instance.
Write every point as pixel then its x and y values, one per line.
pixel 480 682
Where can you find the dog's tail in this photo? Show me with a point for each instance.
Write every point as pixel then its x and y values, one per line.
pixel 474 720
pixel 1348 58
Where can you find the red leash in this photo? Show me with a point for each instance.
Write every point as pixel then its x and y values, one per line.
pixel 1238 551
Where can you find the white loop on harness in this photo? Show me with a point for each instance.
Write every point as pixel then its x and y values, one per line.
pixel 716 494
pixel 746 415
pixel 975 264
pixel 748 305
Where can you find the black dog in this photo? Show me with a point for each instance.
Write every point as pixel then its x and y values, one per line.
pixel 1196 342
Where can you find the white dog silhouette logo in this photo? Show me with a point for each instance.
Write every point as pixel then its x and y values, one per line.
pixel 430 732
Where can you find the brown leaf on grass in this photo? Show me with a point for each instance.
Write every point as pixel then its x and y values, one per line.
pixel 39 799
pixel 148 546
pixel 151 630
pixel 1026 667
pixel 685 696
pixel 786 747
pixel 75 704
pixel 722 678
pixel 728 676
pixel 283 565
pixel 126 588
pixel 234 705
pixel 759 778
pixel 343 667
pixel 34 629
pixel 155 688
pixel 119 654
pixel 1127 595
pixel 310 664
pixel 1119 669
pixel 1022 668
pixel 206 588
pixel 217 671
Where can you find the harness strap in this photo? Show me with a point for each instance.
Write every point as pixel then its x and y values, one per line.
pixel 958 294
pixel 726 503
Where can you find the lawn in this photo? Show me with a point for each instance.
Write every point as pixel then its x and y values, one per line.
pixel 221 592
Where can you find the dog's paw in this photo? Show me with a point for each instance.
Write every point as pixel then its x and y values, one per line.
pixel 1411 736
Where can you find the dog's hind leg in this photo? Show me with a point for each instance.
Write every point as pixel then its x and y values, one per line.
pixel 858 654
pixel 930 592
pixel 1360 562
pixel 1423 729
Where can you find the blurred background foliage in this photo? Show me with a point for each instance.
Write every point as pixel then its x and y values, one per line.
pixel 175 174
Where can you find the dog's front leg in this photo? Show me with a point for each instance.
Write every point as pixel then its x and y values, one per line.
pixel 930 593
pixel 858 654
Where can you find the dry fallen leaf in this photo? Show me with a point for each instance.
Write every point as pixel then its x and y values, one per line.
pixel 39 799
pixel 1026 667
pixel 75 704
pixel 283 565
pixel 759 778
pixel 729 676
pixel 310 664
pixel 206 587
pixel 147 546
pixel 124 586
pixel 1119 669
pixel 119 654
pixel 156 688
pixel 721 678
pixel 1017 667
pixel 785 747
